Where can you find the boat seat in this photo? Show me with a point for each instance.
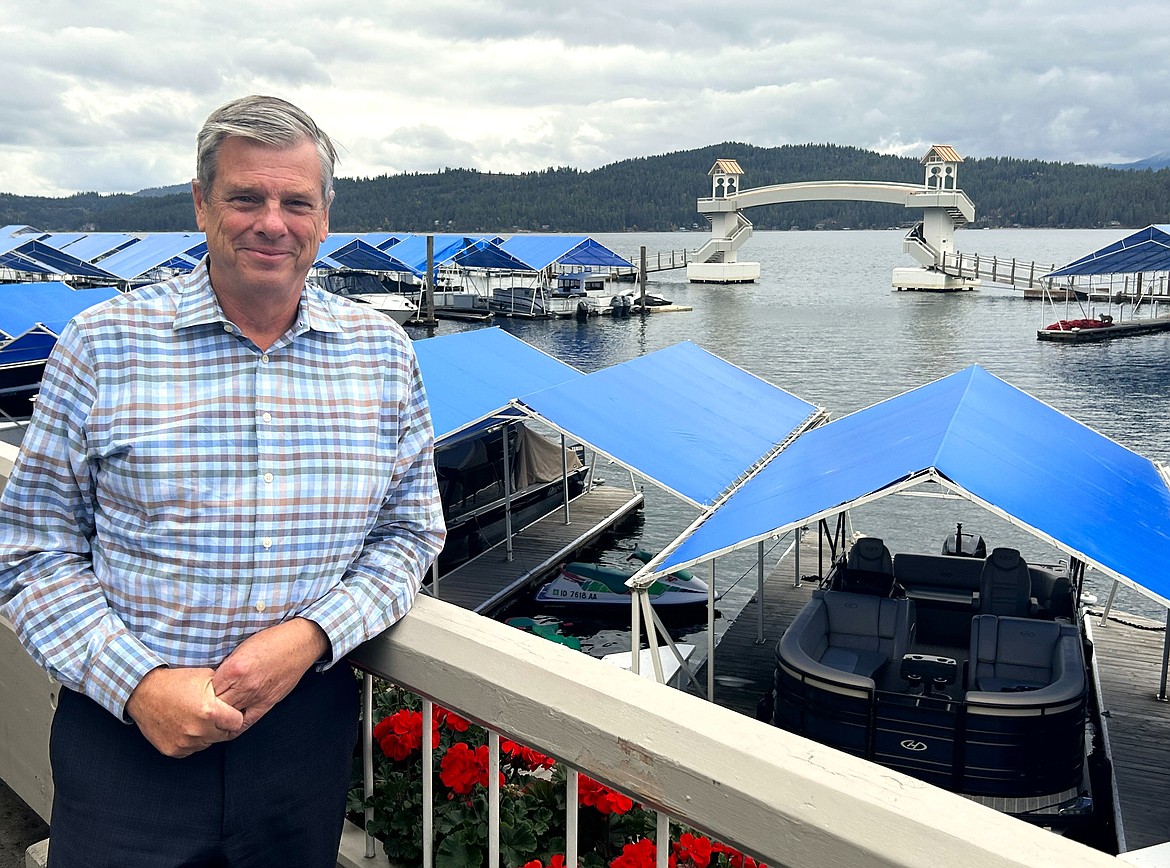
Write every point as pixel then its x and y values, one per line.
pixel 1017 654
pixel 1005 586
pixel 869 568
pixel 856 633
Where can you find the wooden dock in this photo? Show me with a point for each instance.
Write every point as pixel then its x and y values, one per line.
pixel 744 665
pixel 1128 655
pixel 1126 329
pixel 489 580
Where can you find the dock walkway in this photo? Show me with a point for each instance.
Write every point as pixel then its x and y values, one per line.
pixel 489 580
pixel 744 666
pixel 1129 664
pixel 1128 328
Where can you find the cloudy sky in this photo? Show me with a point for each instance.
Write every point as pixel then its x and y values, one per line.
pixel 108 95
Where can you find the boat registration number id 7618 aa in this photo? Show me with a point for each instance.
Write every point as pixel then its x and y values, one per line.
pixel 573 595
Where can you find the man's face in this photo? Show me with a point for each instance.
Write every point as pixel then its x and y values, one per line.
pixel 265 217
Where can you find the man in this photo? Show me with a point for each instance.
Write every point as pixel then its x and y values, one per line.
pixel 227 485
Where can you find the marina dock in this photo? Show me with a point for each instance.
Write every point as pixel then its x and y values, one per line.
pixel 1125 329
pixel 1128 654
pixel 1128 659
pixel 485 583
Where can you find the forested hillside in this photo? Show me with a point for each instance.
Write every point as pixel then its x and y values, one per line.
pixel 659 193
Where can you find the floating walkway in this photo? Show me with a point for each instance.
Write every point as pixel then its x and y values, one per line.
pixel 1106 332
pixel 487 582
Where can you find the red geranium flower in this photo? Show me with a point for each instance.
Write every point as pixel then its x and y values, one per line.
pixel 462 768
pixel 454 722
pixel 694 849
pixel 595 795
pixel 400 734
pixel 640 854
pixel 735 858
pixel 526 755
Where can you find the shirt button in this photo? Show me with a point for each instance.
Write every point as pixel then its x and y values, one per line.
pixel 268 477
pixel 260 606
pixel 267 417
pixel 266 542
pixel 227 327
pixel 264 358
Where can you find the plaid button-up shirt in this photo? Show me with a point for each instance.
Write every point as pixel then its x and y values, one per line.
pixel 179 489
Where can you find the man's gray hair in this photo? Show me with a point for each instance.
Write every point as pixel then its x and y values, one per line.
pixel 268 120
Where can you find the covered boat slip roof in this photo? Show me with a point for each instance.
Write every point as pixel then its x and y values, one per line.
pixel 127 257
pixel 1145 250
pixel 174 250
pixel 342 251
pixel 471 377
pixel 25 254
pixel 44 306
pixel 541 251
pixel 983 439
pixel 685 419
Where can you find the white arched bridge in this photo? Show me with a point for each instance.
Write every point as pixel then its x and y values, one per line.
pixel 944 208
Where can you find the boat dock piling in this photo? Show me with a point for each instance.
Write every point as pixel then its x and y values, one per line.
pixel 485 583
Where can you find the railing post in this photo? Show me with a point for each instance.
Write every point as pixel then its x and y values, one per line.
pixel 662 838
pixel 493 799
pixel 571 818
pixel 1161 697
pixel 368 757
pixel 428 784
pixel 1032 274
pixel 995 269
pixel 1013 280
pixel 760 591
pixel 508 491
pixel 711 635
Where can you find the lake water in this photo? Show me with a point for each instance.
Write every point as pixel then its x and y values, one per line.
pixel 824 324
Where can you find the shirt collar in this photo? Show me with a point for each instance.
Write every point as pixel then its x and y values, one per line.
pixel 197 304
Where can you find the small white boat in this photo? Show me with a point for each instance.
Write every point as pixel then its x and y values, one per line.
pixel 369 289
pixel 395 305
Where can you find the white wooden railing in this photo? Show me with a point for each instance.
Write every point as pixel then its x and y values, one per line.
pixel 776 796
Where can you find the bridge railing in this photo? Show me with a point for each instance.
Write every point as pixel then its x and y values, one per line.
pixel 1012 272
pixel 773 795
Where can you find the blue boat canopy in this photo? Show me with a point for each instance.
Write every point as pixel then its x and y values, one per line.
pixel 32 315
pixel 22 254
pixel 983 439
pixel 339 251
pixel 541 251
pixel 687 420
pixel 471 377
pixel 1145 250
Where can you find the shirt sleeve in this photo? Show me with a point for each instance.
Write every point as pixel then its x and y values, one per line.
pixel 47 584
pixel 380 585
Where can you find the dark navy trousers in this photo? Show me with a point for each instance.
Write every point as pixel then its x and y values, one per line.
pixel 274 796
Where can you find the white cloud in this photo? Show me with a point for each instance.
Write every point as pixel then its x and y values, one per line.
pixel 109 96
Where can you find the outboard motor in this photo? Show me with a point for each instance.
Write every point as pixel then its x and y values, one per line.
pixel 964 545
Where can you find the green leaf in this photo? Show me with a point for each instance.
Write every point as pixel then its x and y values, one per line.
pixel 455 852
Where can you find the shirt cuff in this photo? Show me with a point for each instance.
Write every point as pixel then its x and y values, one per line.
pixel 116 670
pixel 338 615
